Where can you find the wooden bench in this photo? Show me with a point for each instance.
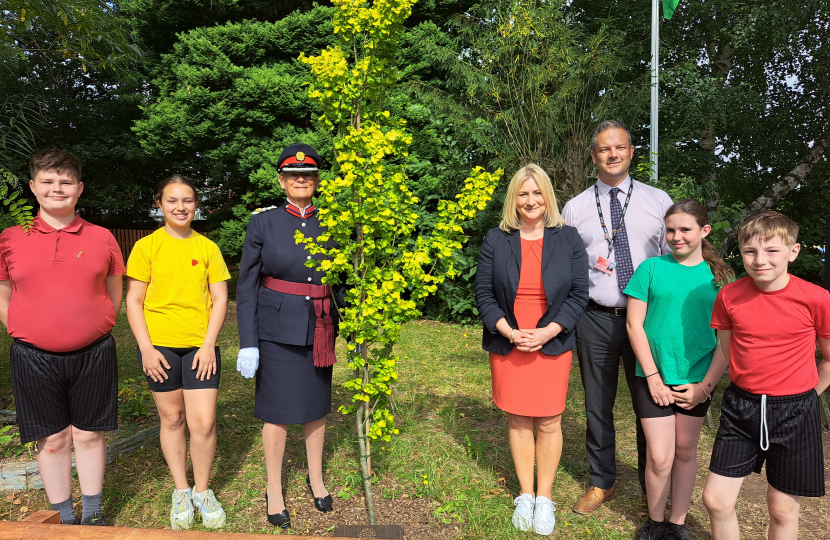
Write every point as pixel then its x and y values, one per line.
pixel 45 525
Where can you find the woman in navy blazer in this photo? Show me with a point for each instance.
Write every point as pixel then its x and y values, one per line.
pixel 531 288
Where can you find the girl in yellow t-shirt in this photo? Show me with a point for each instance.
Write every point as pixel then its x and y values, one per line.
pixel 177 298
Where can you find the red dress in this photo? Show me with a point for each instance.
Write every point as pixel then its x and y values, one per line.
pixel 530 384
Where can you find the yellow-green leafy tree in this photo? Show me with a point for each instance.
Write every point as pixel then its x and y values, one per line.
pixel 368 211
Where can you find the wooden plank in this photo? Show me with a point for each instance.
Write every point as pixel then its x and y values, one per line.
pixel 125 244
pixel 129 243
pixel 21 475
pixel 127 238
pixel 46 531
pixel 131 443
pixel 8 417
pixel 14 483
pixel 44 516
pixel 388 532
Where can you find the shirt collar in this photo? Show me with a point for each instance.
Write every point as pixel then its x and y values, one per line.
pixel 295 210
pixel 44 227
pixel 604 188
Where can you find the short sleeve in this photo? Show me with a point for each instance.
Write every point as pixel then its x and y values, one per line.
pixel 720 315
pixel 821 315
pixel 116 259
pixel 640 283
pixel 139 266
pixel 4 266
pixel 217 269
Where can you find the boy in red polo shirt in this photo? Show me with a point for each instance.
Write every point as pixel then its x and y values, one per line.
pixel 767 326
pixel 60 292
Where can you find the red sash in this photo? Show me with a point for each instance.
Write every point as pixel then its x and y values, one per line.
pixel 323 326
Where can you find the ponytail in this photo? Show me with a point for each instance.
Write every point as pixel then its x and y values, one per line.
pixel 723 272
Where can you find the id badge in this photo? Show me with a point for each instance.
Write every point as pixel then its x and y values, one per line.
pixel 604 265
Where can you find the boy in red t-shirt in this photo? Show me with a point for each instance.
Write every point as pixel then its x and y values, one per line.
pixel 60 293
pixel 767 327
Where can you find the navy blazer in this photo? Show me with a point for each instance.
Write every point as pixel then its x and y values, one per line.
pixel 564 276
pixel 270 250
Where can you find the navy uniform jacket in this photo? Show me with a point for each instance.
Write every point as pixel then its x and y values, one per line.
pixel 564 276
pixel 270 250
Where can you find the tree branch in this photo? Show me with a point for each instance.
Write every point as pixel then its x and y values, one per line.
pixel 781 188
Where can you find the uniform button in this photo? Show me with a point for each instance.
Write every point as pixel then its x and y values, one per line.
pixel 309 279
pixel 303 224
pixel 308 298
pixel 308 256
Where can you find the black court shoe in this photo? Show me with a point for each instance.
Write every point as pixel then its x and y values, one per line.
pixel 323 504
pixel 281 520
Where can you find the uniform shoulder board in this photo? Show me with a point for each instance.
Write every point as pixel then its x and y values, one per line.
pixel 260 210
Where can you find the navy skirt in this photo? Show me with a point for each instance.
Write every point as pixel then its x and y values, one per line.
pixel 289 389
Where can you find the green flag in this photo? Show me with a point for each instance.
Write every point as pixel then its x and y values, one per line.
pixel 668 7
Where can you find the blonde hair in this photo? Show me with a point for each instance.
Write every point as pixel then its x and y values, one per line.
pixel 766 226
pixel 510 215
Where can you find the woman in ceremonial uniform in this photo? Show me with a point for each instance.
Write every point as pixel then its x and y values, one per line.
pixel 287 325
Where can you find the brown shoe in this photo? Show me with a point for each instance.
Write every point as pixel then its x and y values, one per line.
pixel 593 499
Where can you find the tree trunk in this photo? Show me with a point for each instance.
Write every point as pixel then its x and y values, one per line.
pixel 363 439
pixel 779 190
pixel 721 58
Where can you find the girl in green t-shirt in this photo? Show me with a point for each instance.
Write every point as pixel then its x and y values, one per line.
pixel 669 311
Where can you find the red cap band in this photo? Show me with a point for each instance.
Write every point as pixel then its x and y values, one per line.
pixel 292 160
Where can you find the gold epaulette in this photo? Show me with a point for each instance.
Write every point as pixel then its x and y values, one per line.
pixel 260 210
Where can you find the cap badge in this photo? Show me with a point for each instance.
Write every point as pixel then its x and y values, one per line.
pixel 300 156
pixel 79 254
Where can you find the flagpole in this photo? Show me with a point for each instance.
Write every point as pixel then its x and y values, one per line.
pixel 655 63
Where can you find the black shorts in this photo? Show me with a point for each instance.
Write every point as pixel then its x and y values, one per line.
pixel 646 408
pixel 180 375
pixel 794 457
pixel 55 390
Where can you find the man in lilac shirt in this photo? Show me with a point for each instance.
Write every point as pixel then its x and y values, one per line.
pixel 618 235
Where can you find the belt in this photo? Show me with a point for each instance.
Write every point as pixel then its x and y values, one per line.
pixel 323 326
pixel 616 311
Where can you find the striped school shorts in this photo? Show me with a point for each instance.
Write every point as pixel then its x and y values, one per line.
pixel 783 431
pixel 55 390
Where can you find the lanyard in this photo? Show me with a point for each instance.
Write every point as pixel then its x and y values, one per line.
pixel 622 216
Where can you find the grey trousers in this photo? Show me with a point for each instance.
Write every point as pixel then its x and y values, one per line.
pixel 601 340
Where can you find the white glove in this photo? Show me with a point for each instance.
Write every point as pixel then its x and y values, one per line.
pixel 247 362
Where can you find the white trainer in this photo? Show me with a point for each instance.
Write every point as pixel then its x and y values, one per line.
pixel 523 515
pixel 182 513
pixel 543 518
pixel 213 515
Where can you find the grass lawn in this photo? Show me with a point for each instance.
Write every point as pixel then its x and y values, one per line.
pixel 448 474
